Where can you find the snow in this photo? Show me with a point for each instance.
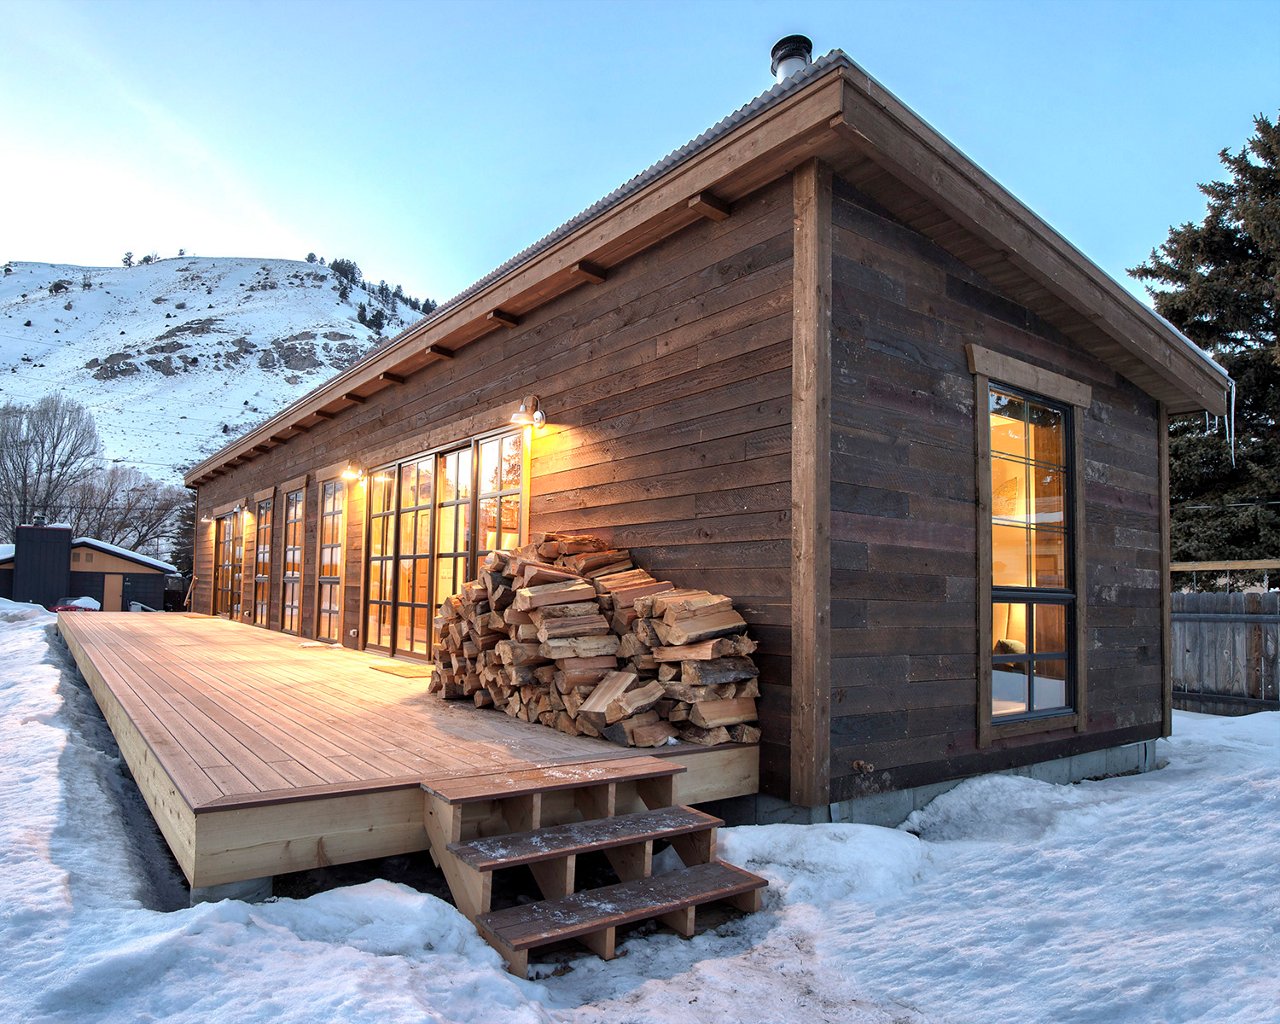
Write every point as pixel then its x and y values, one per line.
pixel 125 346
pixel 1147 898
pixel 84 602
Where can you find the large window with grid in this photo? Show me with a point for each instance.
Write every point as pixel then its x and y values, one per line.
pixel 262 563
pixel 1032 534
pixel 430 518
pixel 228 575
pixel 291 581
pixel 329 576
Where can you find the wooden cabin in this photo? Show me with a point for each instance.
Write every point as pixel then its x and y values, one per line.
pixel 47 564
pixel 816 360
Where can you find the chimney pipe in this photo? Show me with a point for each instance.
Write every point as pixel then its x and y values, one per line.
pixel 790 54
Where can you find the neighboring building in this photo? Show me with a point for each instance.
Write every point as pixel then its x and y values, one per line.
pixel 48 565
pixel 816 360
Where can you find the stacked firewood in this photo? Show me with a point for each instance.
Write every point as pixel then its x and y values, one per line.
pixel 568 632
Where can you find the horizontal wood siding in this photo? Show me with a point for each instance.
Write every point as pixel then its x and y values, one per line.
pixel 667 390
pixel 904 584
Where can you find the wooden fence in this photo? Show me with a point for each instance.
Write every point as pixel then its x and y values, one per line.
pixel 1226 652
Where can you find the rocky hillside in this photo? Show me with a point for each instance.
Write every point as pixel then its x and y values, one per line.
pixel 176 357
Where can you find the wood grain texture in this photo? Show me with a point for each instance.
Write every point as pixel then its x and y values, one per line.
pixel 257 755
pixel 667 389
pixel 811 488
pixel 910 523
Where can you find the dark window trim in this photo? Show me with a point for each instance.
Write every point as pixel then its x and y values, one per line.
pixel 473 443
pixel 1073 399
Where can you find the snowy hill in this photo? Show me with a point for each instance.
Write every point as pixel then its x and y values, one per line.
pixel 177 357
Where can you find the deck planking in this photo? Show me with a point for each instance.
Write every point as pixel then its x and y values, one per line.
pixel 260 753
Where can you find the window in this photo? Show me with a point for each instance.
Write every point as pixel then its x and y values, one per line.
pixel 1032 598
pixel 262 564
pixel 329 578
pixel 430 518
pixel 291 591
pixel 228 570
pixel 1031 610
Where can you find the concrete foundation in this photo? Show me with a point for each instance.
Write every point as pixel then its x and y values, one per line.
pixel 892 809
pixel 251 890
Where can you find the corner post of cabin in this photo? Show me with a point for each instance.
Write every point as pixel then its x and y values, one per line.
pixel 1166 581
pixel 811 486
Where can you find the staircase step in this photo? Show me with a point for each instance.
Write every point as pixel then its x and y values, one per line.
pixel 506 851
pixel 471 788
pixel 583 913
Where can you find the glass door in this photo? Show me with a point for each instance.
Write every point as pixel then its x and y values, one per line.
pixel 430 517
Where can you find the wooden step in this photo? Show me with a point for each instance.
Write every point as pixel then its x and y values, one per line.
pixel 506 851
pixel 468 789
pixel 594 915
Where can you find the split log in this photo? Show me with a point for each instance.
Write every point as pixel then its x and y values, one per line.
pixel 707 650
pixel 712 713
pixel 721 670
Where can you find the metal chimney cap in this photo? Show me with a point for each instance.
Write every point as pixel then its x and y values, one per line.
pixel 791 48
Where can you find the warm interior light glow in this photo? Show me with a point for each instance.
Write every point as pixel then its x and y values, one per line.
pixel 353 472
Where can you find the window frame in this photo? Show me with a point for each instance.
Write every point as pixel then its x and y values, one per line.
pixel 293 580
pixel 336 514
pixel 1073 398
pixel 390 561
pixel 228 563
pixel 264 522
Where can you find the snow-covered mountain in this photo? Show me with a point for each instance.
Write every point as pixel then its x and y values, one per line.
pixel 177 357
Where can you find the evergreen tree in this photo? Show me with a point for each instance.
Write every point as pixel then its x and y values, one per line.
pixel 1219 283
pixel 128 259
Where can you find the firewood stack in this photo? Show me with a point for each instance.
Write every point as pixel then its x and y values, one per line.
pixel 567 632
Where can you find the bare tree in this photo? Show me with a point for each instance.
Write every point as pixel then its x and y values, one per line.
pixel 124 506
pixel 45 450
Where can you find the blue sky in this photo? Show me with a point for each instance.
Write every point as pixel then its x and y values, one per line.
pixel 430 141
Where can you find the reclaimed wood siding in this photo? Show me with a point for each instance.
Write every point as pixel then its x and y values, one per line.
pixel 904 561
pixel 1226 652
pixel 667 390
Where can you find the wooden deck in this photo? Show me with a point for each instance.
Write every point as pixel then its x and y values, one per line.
pixel 259 753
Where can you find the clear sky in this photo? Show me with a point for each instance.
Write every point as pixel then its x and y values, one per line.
pixel 430 141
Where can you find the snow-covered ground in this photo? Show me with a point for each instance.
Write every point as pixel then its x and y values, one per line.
pixel 169 354
pixel 1151 898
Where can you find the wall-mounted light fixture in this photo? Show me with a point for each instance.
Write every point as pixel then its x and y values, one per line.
pixel 529 414
pixel 206 519
pixel 353 472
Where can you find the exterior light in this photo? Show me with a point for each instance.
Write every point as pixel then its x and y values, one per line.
pixel 353 472
pixel 529 414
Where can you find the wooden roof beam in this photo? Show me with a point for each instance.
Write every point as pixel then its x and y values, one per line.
pixel 354 398
pixel 325 414
pixel 391 378
pixel 584 271
pixel 437 350
pixel 502 318
pixel 710 206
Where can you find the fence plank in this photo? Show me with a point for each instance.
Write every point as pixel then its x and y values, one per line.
pixel 1226 651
